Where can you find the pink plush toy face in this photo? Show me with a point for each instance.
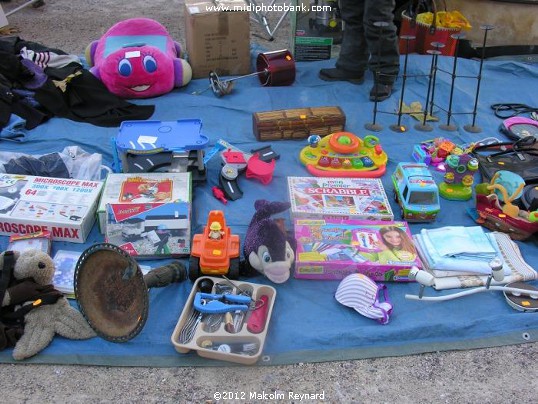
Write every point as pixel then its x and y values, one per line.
pixel 138 72
pixel 137 58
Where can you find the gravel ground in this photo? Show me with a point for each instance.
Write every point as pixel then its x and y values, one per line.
pixel 495 375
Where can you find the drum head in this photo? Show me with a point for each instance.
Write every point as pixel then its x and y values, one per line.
pixel 111 292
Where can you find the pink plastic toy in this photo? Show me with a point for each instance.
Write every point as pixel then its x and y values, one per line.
pixel 260 170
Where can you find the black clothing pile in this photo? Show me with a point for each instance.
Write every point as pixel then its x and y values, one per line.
pixel 48 82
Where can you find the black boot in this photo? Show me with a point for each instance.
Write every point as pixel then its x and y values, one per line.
pixel 336 74
pixel 380 92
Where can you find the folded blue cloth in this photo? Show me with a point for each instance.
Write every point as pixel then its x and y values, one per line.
pixel 434 261
pixel 463 242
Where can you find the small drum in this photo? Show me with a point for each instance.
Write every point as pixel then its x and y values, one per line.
pixel 279 68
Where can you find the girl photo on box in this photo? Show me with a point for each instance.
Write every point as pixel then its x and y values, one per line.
pixel 387 245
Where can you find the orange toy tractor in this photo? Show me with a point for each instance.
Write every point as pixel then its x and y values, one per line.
pixel 216 251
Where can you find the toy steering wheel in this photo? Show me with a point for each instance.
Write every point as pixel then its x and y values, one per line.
pixel 344 142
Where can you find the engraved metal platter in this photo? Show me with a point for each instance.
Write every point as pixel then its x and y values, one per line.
pixel 111 292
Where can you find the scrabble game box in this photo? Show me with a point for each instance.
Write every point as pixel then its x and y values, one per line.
pixel 338 198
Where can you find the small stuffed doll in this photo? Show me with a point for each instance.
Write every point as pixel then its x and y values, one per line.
pixel 44 310
pixel 267 248
pixel 137 58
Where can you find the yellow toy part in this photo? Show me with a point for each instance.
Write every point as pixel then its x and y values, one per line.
pixel 215 226
pixel 343 154
pixel 445 19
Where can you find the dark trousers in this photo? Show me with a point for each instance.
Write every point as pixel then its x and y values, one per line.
pixel 365 46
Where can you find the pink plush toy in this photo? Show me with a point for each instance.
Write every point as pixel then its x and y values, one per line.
pixel 137 58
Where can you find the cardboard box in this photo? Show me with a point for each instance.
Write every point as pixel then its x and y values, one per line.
pixel 315 27
pixel 3 18
pixel 333 249
pixel 65 207
pixel 217 40
pixel 148 215
pixel 135 189
pixel 338 198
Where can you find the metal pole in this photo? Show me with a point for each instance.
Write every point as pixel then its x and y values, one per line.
pixel 399 127
pixel 473 128
pixel 373 126
pixel 448 126
pixel 38 3
pixel 424 126
pixel 437 46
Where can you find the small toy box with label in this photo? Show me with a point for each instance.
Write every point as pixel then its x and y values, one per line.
pixel 64 207
pixel 41 240
pixel 333 249
pixel 163 146
pixel 225 320
pixel 338 198
pixel 147 215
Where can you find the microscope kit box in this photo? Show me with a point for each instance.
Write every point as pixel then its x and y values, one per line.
pixel 338 198
pixel 64 207
pixel 333 249
pixel 147 215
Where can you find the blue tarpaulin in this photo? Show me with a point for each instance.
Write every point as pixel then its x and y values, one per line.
pixel 308 324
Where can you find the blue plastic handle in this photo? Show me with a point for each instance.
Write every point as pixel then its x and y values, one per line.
pixel 214 303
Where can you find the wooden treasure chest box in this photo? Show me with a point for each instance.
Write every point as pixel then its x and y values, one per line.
pixel 297 123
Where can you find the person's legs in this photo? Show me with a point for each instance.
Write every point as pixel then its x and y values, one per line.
pixel 383 46
pixel 353 57
pixel 353 51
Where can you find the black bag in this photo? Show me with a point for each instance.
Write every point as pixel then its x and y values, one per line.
pixel 520 157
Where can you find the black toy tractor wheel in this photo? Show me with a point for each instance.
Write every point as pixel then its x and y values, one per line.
pixel 233 272
pixel 194 268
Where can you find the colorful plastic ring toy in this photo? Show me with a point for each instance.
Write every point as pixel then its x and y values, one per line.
pixel 344 142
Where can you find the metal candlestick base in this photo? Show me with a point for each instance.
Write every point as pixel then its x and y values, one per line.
pixel 424 127
pixel 448 128
pixel 398 128
pixel 472 128
pixel 375 127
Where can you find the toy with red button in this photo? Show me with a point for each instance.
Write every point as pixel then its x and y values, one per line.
pixel 344 154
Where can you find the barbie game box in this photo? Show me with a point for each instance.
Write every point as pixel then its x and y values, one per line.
pixel 333 248
pixel 338 198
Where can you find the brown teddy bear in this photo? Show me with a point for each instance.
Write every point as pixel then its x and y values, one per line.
pixel 32 305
